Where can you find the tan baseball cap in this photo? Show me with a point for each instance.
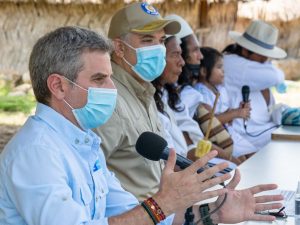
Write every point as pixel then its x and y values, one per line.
pixel 140 18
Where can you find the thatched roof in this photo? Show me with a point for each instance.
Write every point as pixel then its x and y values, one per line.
pixel 283 10
pixel 89 1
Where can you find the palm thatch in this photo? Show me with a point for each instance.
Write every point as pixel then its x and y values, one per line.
pixel 23 21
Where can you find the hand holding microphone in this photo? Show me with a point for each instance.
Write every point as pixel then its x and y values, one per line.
pixel 184 188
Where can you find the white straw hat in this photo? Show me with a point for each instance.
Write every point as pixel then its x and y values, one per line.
pixel 185 27
pixel 261 38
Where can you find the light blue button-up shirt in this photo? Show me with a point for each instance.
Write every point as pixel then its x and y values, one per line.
pixel 52 172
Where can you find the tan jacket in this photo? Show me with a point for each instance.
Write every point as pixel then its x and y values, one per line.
pixel 135 113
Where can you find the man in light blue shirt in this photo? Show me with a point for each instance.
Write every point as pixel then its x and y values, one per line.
pixel 53 171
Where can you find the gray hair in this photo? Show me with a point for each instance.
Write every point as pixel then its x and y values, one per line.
pixel 60 52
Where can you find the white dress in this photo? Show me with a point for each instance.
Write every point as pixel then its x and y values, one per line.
pixel 258 76
pixel 241 146
pixel 173 132
pixel 184 119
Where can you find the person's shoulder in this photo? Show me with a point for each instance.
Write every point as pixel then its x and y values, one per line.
pixel 201 87
pixel 189 90
pixel 190 94
pixel 33 136
pixel 234 58
pixel 221 87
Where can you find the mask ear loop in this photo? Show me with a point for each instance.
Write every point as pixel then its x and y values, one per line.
pixel 128 63
pixel 125 60
pixel 129 45
pixel 68 104
pixel 75 84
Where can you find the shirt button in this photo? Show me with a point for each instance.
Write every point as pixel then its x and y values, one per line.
pixel 86 140
pixel 76 141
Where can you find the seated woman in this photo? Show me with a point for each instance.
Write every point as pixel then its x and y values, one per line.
pixel 186 75
pixel 168 104
pixel 211 82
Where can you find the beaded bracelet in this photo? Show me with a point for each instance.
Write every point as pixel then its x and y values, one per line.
pixel 204 212
pixel 153 209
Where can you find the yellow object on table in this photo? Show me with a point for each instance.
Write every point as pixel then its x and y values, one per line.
pixel 204 145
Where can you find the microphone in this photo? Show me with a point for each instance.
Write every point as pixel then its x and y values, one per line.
pixel 245 95
pixel 154 147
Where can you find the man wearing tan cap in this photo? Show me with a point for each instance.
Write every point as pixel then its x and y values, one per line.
pixel 246 63
pixel 138 32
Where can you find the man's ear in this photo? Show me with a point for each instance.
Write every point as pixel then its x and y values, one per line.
pixel 119 47
pixel 57 86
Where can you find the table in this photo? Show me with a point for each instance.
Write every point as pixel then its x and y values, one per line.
pixel 278 162
pixel 291 133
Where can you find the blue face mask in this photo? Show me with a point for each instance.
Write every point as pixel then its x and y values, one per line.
pixel 100 105
pixel 150 61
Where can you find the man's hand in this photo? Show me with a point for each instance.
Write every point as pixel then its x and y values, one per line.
pixel 179 190
pixel 241 205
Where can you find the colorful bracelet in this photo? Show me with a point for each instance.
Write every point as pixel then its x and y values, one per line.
pixel 149 213
pixel 204 212
pixel 153 209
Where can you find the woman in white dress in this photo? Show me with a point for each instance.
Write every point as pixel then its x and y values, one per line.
pixel 168 103
pixel 211 82
pixel 171 109
pixel 188 75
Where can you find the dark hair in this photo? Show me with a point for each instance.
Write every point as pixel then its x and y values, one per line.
pixel 186 77
pixel 174 97
pixel 235 49
pixel 210 58
pixel 158 95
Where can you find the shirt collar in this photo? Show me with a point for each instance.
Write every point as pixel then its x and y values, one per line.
pixel 131 83
pixel 71 133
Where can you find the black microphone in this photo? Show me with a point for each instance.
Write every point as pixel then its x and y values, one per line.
pixel 245 95
pixel 154 147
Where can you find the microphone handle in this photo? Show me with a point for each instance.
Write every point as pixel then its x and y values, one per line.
pixel 245 121
pixel 181 161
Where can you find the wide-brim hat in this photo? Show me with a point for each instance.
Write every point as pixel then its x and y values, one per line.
pixel 261 38
pixel 140 18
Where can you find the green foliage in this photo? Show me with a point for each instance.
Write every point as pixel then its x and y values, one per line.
pixel 4 90
pixel 15 103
